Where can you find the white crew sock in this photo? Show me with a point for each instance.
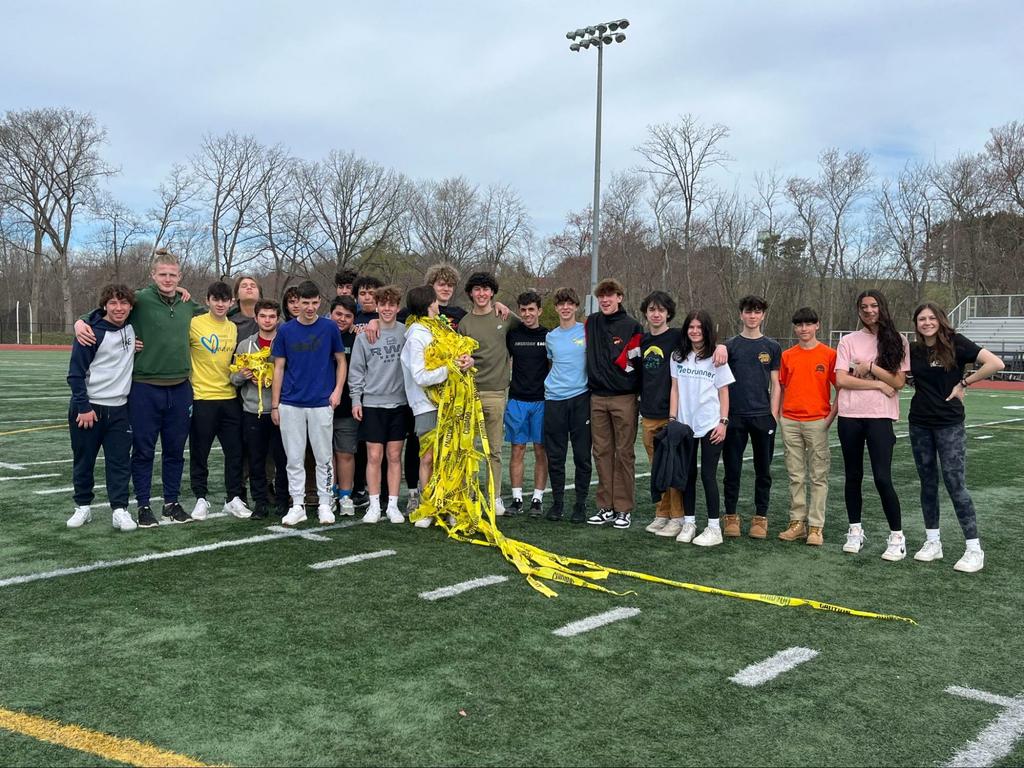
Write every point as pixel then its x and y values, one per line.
pixel 931 534
pixel 715 523
pixel 393 502
pixel 517 494
pixel 973 545
pixel 691 519
pixel 375 503
pixel 538 494
pixel 897 533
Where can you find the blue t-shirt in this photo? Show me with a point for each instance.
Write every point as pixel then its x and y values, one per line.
pixel 309 371
pixel 567 351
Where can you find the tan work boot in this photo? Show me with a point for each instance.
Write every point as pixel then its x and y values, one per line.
pixel 814 536
pixel 731 526
pixel 797 530
pixel 758 527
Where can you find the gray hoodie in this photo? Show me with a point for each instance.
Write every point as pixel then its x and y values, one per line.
pixel 247 389
pixel 375 372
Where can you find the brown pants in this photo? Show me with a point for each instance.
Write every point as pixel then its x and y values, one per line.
pixel 613 432
pixel 493 403
pixel 671 504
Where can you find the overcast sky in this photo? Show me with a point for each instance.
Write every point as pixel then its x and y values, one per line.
pixel 490 90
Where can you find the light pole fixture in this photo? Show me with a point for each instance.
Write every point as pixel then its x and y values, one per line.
pixel 597 36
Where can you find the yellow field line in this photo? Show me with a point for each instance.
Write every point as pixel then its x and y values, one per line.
pixel 32 429
pixel 95 743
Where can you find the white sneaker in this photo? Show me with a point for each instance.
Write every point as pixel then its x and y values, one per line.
pixel 709 537
pixel 395 516
pixel 657 524
pixel 81 516
pixel 413 503
pixel 855 539
pixel 324 514
pixel 372 516
pixel 932 550
pixel 972 561
pixel 499 507
pixel 686 533
pixel 896 548
pixel 237 508
pixel 424 522
pixel 671 529
pixel 346 507
pixel 201 510
pixel 296 515
pixel 122 521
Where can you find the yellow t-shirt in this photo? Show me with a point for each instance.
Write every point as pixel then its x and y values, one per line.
pixel 212 344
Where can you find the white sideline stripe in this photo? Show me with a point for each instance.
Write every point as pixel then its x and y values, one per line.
pixel 104 564
pixel 352 559
pixel 984 437
pixel 462 586
pixel 32 399
pixel 48 491
pixel 593 622
pixel 998 738
pixel 24 477
pixel 15 467
pixel 772 667
pixel 302 534
pixel 32 421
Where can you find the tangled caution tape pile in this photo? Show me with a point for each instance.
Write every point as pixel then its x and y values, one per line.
pixel 262 370
pixel 459 505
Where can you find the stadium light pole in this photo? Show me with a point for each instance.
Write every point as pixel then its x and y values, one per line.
pixel 598 36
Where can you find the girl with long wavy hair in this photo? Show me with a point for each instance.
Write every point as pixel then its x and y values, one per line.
pixel 937 362
pixel 871 369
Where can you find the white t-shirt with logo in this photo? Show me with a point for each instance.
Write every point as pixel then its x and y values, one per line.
pixel 697 383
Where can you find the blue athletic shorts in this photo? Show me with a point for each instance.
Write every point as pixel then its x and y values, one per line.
pixel 524 422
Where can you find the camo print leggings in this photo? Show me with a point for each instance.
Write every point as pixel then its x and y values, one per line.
pixel 946 446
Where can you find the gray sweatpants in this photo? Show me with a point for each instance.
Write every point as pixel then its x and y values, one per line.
pixel 318 425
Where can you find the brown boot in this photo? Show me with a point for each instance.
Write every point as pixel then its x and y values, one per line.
pixel 731 527
pixel 797 530
pixel 814 536
pixel 758 527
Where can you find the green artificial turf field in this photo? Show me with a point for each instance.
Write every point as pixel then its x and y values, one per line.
pixel 235 651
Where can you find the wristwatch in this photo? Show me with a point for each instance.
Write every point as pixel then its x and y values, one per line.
pixel 724 422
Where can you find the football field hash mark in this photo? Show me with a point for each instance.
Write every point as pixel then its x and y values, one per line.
pixel 998 738
pixel 772 667
pixel 351 559
pixel 462 586
pixel 574 628
pixel 298 532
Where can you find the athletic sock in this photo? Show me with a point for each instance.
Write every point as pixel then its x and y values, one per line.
pixel 899 532
pixel 715 523
pixel 931 534
pixel 344 493
pixel 691 519
pixel 375 503
pixel 538 494
pixel 973 545
pixel 517 494
pixel 392 502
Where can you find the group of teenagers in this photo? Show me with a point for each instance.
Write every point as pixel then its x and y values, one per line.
pixel 325 404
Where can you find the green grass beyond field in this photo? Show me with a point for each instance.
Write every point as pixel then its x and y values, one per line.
pixel 243 654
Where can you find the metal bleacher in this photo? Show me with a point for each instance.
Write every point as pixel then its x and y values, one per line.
pixel 996 323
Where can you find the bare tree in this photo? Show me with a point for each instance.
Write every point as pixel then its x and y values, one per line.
pixel 176 203
pixel 905 210
pixel 730 222
pixel 663 201
pixel 446 221
pixel 684 152
pixel 120 230
pixel 506 227
pixel 964 185
pixel 1006 153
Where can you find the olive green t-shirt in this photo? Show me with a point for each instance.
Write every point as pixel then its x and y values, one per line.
pixel 491 359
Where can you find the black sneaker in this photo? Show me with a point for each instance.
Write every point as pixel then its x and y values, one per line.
pixel 579 515
pixel 146 518
pixel 622 520
pixel 260 513
pixel 515 508
pixel 361 499
pixel 554 513
pixel 603 516
pixel 535 510
pixel 176 513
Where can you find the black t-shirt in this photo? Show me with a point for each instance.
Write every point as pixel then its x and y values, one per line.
pixel 933 383
pixel 529 362
pixel 344 409
pixel 452 313
pixel 362 318
pixel 656 373
pixel 752 362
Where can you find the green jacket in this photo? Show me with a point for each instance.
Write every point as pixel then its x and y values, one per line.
pixel 162 326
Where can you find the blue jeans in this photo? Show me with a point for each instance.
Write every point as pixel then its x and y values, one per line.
pixel 163 412
pixel 945 446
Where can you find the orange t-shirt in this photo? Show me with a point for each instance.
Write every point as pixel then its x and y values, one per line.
pixel 808 376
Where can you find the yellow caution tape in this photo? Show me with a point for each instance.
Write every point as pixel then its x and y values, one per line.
pixel 458 504
pixel 262 370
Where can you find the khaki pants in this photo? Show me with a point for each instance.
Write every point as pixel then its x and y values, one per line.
pixel 671 504
pixel 807 458
pixel 493 403
pixel 613 433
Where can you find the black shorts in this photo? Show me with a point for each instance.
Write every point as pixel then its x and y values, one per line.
pixel 383 425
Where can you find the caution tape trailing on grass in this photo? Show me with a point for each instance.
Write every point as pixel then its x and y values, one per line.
pixel 458 504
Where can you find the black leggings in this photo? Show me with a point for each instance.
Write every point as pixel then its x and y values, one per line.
pixel 880 439
pixel 710 453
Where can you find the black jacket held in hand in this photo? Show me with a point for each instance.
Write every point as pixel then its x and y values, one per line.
pixel 673 448
pixel 613 353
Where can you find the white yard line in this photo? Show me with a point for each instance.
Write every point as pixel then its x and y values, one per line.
pixel 772 667
pixel 15 467
pixel 352 559
pixel 303 534
pixel 187 551
pixel 574 628
pixel 49 491
pixel 997 739
pixel 24 477
pixel 32 421
pixel 462 586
